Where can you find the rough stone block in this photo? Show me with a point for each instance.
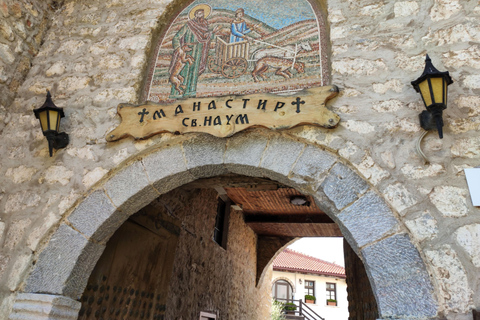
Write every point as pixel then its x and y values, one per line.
pixel 96 217
pixel 7 301
pixel 455 294
pixel 406 8
pixel 31 306
pixel 472 81
pixel 130 189
pixel 368 219
pixel 343 186
pixel 244 153
pixel 166 168
pixel 281 154
pixel 204 156
pixel 399 197
pixel 64 266
pixel 469 238
pixel 450 201
pixel 312 165
pixel 424 227
pixel 20 270
pixel 399 279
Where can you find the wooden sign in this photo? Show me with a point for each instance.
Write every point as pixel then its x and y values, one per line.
pixel 224 116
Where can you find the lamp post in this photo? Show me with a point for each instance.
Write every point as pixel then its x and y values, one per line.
pixel 432 86
pixel 49 115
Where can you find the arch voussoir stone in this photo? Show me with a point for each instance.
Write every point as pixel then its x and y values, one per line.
pixel 65 264
pixel 343 186
pixel 244 153
pixel 367 220
pixel 96 217
pixel 204 156
pixel 399 279
pixel 130 189
pixel 311 167
pixel 280 156
pixel 166 168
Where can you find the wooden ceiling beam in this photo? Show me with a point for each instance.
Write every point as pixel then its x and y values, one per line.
pixel 287 218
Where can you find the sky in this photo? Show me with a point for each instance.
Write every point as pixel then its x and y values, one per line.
pixel 275 13
pixel 328 249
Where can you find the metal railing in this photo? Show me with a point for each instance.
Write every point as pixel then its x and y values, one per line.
pixel 301 309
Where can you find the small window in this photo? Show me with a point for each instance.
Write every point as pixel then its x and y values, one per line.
pixel 282 291
pixel 207 316
pixel 221 223
pixel 331 294
pixel 310 287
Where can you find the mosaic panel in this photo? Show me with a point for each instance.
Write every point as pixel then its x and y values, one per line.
pixel 220 48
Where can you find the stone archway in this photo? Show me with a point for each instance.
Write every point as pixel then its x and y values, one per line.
pixel 397 273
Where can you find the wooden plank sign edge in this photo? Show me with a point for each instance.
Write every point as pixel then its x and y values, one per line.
pixel 227 115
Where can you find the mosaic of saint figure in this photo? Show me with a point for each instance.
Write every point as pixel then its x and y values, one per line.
pixel 239 27
pixel 191 45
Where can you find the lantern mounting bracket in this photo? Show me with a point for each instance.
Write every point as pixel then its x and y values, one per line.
pixel 432 118
pixel 57 141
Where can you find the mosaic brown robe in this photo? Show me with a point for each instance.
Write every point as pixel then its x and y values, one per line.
pixel 196 35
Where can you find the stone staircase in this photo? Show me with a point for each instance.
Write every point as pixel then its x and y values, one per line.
pixel 301 311
pixel 292 317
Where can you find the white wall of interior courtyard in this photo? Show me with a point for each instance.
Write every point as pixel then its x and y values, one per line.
pixel 339 312
pixel 376 50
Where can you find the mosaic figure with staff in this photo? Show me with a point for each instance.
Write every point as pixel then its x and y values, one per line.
pixel 191 45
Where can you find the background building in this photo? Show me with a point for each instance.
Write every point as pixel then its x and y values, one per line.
pixel 296 275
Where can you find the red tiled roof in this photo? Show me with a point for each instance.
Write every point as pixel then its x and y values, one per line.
pixel 289 260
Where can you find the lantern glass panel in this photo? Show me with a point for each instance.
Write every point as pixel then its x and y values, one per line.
pixel 54 119
pixel 425 91
pixel 58 122
pixel 437 88
pixel 43 120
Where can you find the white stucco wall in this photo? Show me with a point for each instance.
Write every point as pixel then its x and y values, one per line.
pixel 339 312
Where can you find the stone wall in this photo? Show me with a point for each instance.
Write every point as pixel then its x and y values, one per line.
pixel 23 25
pixel 96 53
pixel 178 263
pixel 374 62
pixel 206 277
pixel 83 61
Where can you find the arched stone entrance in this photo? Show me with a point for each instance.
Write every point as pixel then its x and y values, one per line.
pixel 397 273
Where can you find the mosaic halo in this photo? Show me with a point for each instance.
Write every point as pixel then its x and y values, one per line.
pixel 205 7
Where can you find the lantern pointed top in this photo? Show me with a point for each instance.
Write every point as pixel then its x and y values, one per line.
pixel 431 71
pixel 48 105
pixel 49 101
pixel 429 68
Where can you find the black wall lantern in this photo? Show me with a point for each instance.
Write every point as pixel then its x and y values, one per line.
pixel 432 85
pixel 49 115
